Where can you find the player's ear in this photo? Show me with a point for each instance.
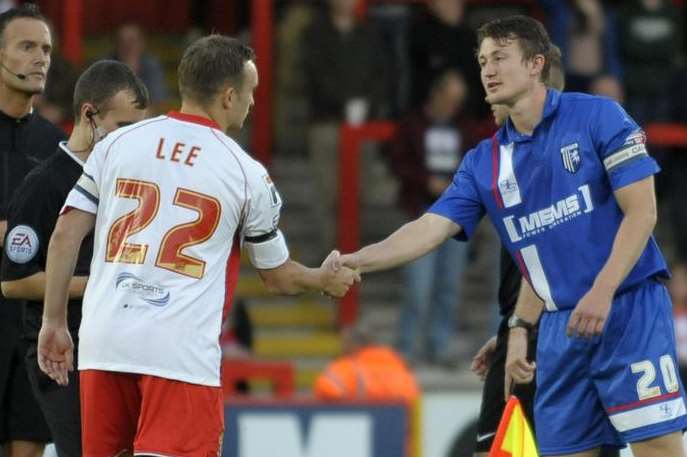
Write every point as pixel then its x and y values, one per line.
pixel 228 96
pixel 538 62
pixel 86 112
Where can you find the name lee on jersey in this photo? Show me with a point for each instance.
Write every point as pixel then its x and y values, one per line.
pixel 179 153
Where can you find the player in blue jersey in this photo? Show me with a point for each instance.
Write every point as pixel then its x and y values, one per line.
pixel 568 184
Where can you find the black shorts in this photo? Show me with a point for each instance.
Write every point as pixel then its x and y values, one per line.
pixel 60 404
pixel 493 402
pixel 21 418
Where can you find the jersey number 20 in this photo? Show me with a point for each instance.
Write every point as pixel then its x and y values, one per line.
pixel 645 390
pixel 179 237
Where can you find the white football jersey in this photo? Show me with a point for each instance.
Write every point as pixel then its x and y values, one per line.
pixel 174 199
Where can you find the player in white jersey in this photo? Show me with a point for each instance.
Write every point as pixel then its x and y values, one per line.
pixel 173 200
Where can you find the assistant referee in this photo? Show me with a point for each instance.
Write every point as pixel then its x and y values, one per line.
pixel 107 96
pixel 26 139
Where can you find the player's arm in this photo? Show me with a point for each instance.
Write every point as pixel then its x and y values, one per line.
pixel 293 278
pixel 55 347
pixel 529 306
pixel 409 242
pixel 528 309
pixel 33 287
pixel 455 213
pixel 3 232
pixel 637 201
pixel 63 250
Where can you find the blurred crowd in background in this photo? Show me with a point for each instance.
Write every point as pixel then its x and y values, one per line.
pixel 413 62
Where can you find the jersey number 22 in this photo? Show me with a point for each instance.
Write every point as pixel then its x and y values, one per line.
pixel 179 237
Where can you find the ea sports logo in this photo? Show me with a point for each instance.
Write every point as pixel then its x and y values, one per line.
pixel 22 244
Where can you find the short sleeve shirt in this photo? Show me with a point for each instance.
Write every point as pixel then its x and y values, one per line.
pixel 550 195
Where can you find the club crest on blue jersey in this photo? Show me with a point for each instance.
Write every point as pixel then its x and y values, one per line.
pixel 571 157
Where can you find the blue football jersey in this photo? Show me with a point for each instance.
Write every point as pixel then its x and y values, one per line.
pixel 550 195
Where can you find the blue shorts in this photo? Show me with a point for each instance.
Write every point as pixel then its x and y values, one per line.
pixel 618 388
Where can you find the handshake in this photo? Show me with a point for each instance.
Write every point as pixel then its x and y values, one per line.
pixel 339 273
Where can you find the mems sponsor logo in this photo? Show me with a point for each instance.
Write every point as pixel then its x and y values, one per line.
pixel 547 218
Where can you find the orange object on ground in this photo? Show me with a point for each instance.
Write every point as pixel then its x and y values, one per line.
pixel 371 373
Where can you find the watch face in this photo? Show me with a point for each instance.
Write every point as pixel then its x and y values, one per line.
pixel 515 321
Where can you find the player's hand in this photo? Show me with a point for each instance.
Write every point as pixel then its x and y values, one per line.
pixel 337 277
pixel 590 314
pixel 482 360
pixel 335 261
pixel 56 352
pixel 518 369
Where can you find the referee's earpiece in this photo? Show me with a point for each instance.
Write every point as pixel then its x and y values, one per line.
pixel 98 132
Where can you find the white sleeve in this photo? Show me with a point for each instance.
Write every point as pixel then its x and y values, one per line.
pixel 263 241
pixel 86 192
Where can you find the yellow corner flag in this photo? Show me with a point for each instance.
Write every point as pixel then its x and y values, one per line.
pixel 514 436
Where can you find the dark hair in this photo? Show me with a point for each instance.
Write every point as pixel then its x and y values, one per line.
pixel 27 10
pixel 209 63
pixel 102 81
pixel 530 33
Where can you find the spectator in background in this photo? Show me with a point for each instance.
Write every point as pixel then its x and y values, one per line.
pixel 650 40
pixel 346 82
pixel 586 32
pixel 608 86
pixel 440 39
pixel 678 293
pixel 424 155
pixel 130 49
pixel 366 371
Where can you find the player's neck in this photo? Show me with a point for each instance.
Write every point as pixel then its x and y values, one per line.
pixel 14 103
pixel 528 111
pixel 80 142
pixel 195 110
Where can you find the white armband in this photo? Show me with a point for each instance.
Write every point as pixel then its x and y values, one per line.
pixel 267 251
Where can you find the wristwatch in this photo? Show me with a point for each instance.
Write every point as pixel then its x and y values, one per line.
pixel 515 321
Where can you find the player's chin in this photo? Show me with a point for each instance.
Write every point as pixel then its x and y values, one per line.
pixel 495 99
pixel 35 89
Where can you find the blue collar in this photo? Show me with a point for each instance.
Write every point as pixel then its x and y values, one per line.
pixel 510 134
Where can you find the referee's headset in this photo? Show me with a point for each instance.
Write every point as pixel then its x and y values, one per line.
pixel 98 132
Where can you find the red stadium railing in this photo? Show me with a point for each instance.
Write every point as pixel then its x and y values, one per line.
pixel 262 33
pixel 281 375
pixel 348 225
pixel 348 228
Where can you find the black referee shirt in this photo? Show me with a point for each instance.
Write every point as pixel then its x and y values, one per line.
pixel 24 143
pixel 33 213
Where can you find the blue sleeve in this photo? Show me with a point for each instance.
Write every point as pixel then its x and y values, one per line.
pixel 621 145
pixel 461 201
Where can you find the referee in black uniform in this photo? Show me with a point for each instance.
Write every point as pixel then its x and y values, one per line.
pixel 107 96
pixel 490 361
pixel 26 139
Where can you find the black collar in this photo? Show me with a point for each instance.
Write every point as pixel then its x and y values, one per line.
pixel 6 118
